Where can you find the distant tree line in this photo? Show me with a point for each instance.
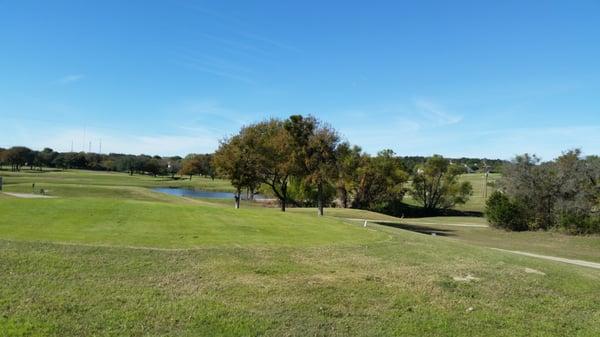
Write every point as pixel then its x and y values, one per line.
pixel 562 194
pixel 471 165
pixel 18 157
pixel 304 162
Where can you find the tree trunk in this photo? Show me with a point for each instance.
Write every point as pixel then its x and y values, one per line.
pixel 237 197
pixel 343 193
pixel 320 198
pixel 284 196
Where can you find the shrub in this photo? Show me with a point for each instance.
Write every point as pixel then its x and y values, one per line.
pixel 502 213
pixel 574 223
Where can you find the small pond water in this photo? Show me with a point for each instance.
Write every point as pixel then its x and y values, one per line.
pixel 189 192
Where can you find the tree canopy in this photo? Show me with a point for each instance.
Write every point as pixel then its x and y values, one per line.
pixel 563 194
pixel 436 185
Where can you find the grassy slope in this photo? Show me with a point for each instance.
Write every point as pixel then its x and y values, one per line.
pixel 82 177
pixel 401 287
pixel 260 272
pixel 547 243
pixel 167 225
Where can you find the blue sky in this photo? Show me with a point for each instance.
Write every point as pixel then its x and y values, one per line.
pixel 474 78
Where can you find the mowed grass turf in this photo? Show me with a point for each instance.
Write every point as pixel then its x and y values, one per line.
pixel 84 177
pixel 115 221
pixel 403 287
pixel 124 261
pixel 583 247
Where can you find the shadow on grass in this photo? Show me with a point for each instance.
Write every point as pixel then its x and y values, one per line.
pixel 400 209
pixel 419 229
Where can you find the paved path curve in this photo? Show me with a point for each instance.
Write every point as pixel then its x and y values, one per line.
pixel 406 221
pixel 581 263
pixel 554 258
pixel 28 195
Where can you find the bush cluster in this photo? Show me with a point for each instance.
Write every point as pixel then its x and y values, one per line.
pixel 563 194
pixel 502 213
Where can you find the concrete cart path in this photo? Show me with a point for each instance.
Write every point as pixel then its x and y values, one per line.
pixel 554 258
pixel 28 195
pixel 407 221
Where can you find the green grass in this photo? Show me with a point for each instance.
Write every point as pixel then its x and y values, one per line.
pixel 546 243
pixel 401 287
pixel 111 221
pixel 83 177
pixel 112 259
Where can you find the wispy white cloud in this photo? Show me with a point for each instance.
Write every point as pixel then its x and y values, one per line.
pixel 435 113
pixel 218 66
pixel 230 41
pixel 237 26
pixel 68 79
pixel 210 113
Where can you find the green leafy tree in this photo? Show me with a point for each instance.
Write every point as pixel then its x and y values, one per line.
pixel 238 162
pixel 321 161
pixel 380 181
pixel 17 156
pixel 563 193
pixel 348 162
pixel 47 156
pixel 2 159
pixel 191 166
pixel 275 157
pixel 503 213
pixel 349 159
pixel 436 184
pixel 153 166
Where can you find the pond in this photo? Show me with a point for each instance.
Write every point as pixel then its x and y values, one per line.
pixel 192 193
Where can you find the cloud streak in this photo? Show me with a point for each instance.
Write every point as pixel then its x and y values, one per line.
pixel 217 66
pixel 435 113
pixel 68 79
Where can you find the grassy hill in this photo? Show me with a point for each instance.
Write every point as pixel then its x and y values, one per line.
pixel 109 257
